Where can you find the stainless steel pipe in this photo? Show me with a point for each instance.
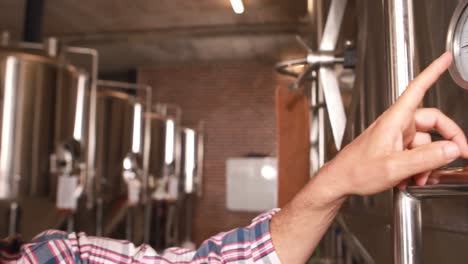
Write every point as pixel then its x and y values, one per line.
pixel 401 46
pixel 407 209
pixel 385 65
pixel 407 223
pixel 90 64
pixel 441 190
pixel 408 220
pixel 407 228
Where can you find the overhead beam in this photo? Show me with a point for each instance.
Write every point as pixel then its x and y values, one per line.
pixel 184 32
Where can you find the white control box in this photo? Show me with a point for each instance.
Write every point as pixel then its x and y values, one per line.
pixel 252 184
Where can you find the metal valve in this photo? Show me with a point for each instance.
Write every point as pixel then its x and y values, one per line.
pixel 131 174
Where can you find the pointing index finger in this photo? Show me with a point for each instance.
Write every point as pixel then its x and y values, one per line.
pixel 416 90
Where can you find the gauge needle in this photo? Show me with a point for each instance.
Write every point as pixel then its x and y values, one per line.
pixel 464 46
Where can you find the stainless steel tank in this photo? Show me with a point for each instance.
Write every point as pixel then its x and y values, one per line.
pixel 370 218
pixel 44 113
pixel 192 158
pixel 376 220
pixel 121 156
pixel 165 150
pixel 191 180
pixel 119 134
pixel 162 223
pixel 190 161
pixel 43 106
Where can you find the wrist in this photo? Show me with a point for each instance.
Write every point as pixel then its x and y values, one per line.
pixel 325 190
pixel 297 229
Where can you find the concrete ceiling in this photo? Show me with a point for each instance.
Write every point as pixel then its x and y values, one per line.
pixel 91 16
pixel 12 17
pixel 129 34
pixel 152 52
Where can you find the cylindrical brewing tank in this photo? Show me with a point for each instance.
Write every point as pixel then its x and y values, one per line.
pixel 44 106
pixel 44 118
pixel 443 219
pixel 120 151
pixel 190 180
pixel 163 175
pixel 119 134
pixel 191 160
pixel 164 151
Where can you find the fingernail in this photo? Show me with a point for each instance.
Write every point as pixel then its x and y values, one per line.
pixel 451 151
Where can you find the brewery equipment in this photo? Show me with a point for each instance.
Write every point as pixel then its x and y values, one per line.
pixel 46 109
pixel 165 153
pixel 122 140
pixel 319 68
pixel 397 39
pixel 163 175
pixel 192 160
pixel 326 104
pixel 191 179
pixel 175 177
pixel 407 203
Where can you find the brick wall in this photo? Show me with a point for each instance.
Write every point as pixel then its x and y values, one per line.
pixel 236 101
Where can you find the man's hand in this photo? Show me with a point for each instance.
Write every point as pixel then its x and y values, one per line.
pixel 393 149
pixel 397 146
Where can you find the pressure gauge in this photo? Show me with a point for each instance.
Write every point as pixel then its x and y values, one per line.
pixel 457 43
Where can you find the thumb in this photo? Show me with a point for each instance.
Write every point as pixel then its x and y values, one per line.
pixel 424 158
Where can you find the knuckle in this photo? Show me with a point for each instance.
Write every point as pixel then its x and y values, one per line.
pixel 429 110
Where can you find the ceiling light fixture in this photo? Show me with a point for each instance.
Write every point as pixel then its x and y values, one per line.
pixel 237 6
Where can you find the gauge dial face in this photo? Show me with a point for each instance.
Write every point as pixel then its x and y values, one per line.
pixel 457 43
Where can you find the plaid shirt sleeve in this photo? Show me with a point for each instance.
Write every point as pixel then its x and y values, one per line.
pixel 251 244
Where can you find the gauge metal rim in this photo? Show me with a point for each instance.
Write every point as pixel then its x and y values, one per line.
pixel 453 42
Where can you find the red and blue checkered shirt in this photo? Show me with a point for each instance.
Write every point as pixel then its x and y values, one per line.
pixel 251 244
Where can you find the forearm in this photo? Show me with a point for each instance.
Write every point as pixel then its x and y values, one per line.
pixel 251 244
pixel 301 224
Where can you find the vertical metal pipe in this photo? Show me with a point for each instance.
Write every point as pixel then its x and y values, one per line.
pixel 92 67
pixel 407 209
pixel 189 200
pixel 317 127
pixel 401 46
pixel 147 223
pixel 99 215
pixel 129 224
pixel 339 246
pixel 407 229
pixel 320 96
pixel 348 257
pixel 13 219
pixel 322 140
pixel 8 188
pixel 70 223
